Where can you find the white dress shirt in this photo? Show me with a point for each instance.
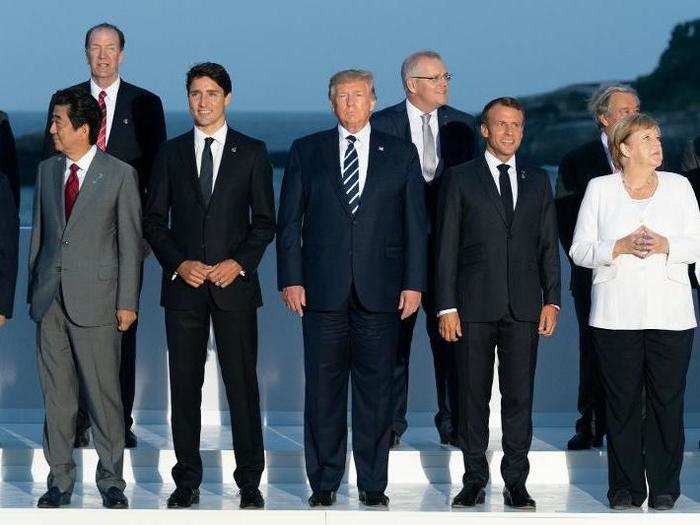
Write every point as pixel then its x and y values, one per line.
pixel 362 147
pixel 83 163
pixel 606 147
pixel 493 164
pixel 217 148
pixel 630 293
pixel 415 122
pixel 110 101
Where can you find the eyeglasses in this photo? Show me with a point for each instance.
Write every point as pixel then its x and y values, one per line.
pixel 445 76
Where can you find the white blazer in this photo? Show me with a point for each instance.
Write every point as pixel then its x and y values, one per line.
pixel 630 293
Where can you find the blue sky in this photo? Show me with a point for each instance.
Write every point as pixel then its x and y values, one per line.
pixel 281 53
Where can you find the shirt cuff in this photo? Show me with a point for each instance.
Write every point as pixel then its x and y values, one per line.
pixel 446 311
pixel 555 306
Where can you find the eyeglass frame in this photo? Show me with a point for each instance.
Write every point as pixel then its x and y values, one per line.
pixel 445 76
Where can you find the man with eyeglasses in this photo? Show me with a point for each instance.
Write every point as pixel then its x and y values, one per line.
pixel 444 137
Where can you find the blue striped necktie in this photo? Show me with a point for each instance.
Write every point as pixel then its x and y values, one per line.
pixel 351 175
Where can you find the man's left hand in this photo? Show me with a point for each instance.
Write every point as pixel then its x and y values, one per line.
pixel 548 320
pixel 125 318
pixel 409 303
pixel 224 273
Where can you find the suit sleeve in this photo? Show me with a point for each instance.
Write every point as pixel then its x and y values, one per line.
pixel 9 237
pixel 129 236
pixel 587 249
pixel 684 247
pixel 567 201
pixel 48 149
pixel 154 136
pixel 416 227
pixel 550 269
pixel 156 229
pixel 262 211
pixel 35 239
pixel 8 158
pixel 289 222
pixel 448 225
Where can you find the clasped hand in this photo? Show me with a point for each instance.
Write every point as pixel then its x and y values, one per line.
pixel 641 243
pixel 222 274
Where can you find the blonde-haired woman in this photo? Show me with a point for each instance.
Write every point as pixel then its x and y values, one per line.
pixel 638 229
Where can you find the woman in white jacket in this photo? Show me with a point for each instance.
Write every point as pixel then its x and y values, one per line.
pixel 639 229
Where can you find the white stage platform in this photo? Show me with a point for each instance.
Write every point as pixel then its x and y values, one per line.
pixel 569 487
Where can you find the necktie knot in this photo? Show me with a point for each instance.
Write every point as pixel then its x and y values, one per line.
pixel 351 139
pixel 425 117
pixel 74 169
pixel 503 169
pixel 208 142
pixel 102 95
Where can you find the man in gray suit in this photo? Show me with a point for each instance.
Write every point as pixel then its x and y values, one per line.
pixel 84 271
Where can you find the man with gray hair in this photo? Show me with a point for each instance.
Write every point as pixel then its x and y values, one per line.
pixel 351 245
pixel 608 105
pixel 444 137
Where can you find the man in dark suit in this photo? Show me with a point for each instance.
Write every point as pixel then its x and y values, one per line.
pixel 8 157
pixel 351 256
pixel 497 286
pixel 9 237
pixel 608 105
pixel 444 137
pixel 132 129
pixel 210 215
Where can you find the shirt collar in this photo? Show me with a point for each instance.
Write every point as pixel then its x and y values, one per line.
pixel 110 90
pixel 84 161
pixel 219 135
pixel 415 113
pixel 362 136
pixel 494 162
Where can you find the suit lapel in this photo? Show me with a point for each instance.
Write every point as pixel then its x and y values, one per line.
pixel 189 165
pixel 602 165
pixel 442 120
pixel 374 162
pixel 524 182
pixel 58 189
pixel 230 158
pixel 330 152
pixel 491 190
pixel 89 188
pixel 120 115
pixel 404 123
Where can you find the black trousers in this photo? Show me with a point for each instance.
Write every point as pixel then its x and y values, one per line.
pixel 517 357
pixel 591 394
pixel 361 345
pixel 236 336
pixel 649 449
pixel 446 418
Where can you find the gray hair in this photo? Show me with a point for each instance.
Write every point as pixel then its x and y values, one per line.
pixel 599 103
pixel 351 75
pixel 408 68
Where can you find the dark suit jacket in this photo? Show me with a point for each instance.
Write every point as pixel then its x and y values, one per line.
pixel 138 129
pixel 9 238
pixel 8 157
pixel 323 247
pixel 575 170
pixel 238 224
pixel 691 169
pixel 482 265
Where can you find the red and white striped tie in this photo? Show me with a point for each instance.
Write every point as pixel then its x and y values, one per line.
pixel 102 135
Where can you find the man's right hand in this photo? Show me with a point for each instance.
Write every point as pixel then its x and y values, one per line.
pixel 450 327
pixel 294 298
pixel 194 273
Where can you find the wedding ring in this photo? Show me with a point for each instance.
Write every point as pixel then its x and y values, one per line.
pixel 218 283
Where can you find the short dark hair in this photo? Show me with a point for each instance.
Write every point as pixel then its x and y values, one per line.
pixel 212 70
pixel 508 102
pixel 105 25
pixel 82 109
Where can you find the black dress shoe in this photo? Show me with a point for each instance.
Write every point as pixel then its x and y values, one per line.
pixel 82 438
pixel 662 502
pixel 114 498
pixel 251 499
pixel 597 441
pixel 182 498
pixel 322 498
pixel 469 496
pixel 53 499
pixel 395 439
pixel 373 498
pixel 449 439
pixel 621 500
pixel 130 440
pixel 518 498
pixel 580 441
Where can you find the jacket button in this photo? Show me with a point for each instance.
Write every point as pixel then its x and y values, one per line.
pixel 66 243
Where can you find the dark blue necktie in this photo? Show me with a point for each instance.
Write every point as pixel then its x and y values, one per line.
pixel 206 171
pixel 351 175
pixel 506 191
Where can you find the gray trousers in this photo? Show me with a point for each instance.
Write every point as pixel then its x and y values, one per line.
pixel 69 355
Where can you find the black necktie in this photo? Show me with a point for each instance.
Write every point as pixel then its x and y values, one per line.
pixel 206 171
pixel 506 191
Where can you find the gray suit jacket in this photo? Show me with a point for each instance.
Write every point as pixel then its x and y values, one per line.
pixel 94 259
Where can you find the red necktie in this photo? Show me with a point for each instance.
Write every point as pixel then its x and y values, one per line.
pixel 102 135
pixel 71 190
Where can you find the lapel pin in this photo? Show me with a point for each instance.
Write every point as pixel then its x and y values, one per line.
pixel 233 149
pixel 126 121
pixel 522 174
pixel 381 148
